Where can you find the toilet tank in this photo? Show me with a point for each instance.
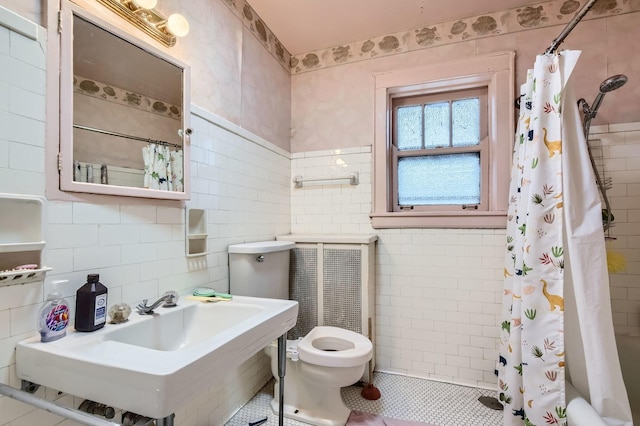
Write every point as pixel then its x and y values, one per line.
pixel 260 269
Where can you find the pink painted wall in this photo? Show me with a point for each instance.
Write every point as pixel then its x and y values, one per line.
pixel 232 75
pixel 333 107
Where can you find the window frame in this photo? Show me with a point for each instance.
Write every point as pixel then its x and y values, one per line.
pixel 494 71
pixel 482 147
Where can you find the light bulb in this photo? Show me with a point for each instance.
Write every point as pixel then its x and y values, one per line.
pixel 178 25
pixel 145 4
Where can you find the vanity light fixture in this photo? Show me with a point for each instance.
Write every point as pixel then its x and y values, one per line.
pixel 142 14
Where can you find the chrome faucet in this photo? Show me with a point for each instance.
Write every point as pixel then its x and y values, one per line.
pixel 170 299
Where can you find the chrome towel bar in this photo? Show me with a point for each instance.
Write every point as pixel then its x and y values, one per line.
pixel 353 179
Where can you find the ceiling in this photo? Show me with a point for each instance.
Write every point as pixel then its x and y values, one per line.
pixel 306 25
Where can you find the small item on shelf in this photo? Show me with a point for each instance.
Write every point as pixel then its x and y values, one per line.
pixel 53 317
pixel 76 171
pixel 91 305
pixel 104 177
pixel 27 266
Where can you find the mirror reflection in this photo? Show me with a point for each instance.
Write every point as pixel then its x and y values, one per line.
pixel 127 113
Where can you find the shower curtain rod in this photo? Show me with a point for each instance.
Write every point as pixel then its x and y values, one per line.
pixel 122 135
pixel 565 32
pixel 570 26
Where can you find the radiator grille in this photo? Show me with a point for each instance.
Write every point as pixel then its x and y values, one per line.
pixel 303 287
pixel 342 297
pixel 341 289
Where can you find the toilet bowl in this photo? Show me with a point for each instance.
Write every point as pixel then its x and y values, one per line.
pixel 317 366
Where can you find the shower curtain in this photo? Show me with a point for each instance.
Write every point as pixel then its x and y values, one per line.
pixel 162 168
pixel 555 254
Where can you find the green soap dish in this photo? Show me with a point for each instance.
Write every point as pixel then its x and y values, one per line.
pixel 209 292
pixel 204 291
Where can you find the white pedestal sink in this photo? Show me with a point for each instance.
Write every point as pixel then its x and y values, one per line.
pixel 153 364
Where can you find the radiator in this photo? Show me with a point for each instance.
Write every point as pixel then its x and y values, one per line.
pixel 333 280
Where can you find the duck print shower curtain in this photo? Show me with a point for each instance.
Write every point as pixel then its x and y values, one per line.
pixel 556 319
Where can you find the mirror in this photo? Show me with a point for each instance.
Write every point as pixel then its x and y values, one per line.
pixel 124 113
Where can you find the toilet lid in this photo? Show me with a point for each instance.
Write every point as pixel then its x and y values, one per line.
pixel 335 347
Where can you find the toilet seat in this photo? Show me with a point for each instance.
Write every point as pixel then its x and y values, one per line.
pixel 334 347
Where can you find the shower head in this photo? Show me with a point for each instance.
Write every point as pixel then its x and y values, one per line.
pixel 613 83
pixel 610 84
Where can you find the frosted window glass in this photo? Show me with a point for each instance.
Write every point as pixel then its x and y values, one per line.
pixel 410 127
pixel 439 179
pixel 466 122
pixel 436 125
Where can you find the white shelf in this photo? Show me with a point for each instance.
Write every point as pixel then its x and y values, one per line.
pixel 197 236
pixel 22 276
pixel 16 247
pixel 21 243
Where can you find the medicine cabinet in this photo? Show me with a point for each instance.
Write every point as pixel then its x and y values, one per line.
pixel 124 112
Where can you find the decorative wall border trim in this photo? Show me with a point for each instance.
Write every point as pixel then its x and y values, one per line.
pixel 257 26
pixel 96 89
pixel 556 12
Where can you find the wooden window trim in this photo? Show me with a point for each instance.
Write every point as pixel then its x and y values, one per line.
pixel 496 72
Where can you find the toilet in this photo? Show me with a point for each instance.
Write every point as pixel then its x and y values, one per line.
pixel 318 364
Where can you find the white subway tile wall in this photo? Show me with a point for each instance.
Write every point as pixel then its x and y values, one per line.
pixel 138 250
pixel 621 153
pixel 22 77
pixel 438 292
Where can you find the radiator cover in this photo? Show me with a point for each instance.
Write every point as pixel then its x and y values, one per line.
pixel 334 284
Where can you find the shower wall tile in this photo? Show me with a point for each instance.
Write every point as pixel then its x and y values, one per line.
pixel 4 96
pixel 70 236
pixel 26 103
pixel 622 165
pixel 24 50
pixel 96 213
pixel 4 41
pixel 25 157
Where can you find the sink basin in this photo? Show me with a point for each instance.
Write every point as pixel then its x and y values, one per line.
pixel 174 330
pixel 153 364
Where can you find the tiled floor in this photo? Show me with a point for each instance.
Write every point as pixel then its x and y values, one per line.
pixel 403 397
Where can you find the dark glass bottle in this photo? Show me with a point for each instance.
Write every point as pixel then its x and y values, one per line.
pixel 91 305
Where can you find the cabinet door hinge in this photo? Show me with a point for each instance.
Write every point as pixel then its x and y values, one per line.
pixel 59 161
pixel 59 22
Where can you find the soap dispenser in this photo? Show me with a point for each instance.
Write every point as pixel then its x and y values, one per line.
pixel 91 305
pixel 53 316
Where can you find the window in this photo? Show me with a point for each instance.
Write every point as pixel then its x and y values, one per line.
pixel 439 151
pixel 443 144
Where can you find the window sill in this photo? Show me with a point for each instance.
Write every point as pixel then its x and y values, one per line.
pixel 466 219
